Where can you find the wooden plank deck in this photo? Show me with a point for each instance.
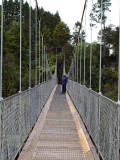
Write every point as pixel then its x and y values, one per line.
pixel 60 136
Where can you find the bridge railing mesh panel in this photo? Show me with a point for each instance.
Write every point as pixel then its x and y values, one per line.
pixel 108 128
pixel 18 115
pixel 100 116
pixel 94 116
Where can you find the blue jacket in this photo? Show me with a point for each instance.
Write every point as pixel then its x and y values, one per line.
pixel 64 80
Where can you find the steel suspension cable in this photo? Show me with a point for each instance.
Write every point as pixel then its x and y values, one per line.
pixel 39 51
pixel 81 39
pixel 64 65
pixel 73 68
pixel 38 17
pixel 99 108
pixel 82 17
pixel 91 47
pixel 85 47
pixel 1 58
pixel 100 50
pixel 56 62
pixel 29 44
pixel 20 41
pixel 44 63
pixel 119 62
pixel 75 62
pixel 42 58
pixel 46 67
pixel 80 55
pixel 77 58
pixel 119 89
pixel 36 46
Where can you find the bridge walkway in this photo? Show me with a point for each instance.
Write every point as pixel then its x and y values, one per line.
pixel 59 133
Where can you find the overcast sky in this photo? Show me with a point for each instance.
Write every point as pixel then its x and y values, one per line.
pixel 70 12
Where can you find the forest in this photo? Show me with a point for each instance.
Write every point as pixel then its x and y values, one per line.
pixel 58 41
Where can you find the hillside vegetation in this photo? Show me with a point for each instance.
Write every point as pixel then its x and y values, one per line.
pixel 58 41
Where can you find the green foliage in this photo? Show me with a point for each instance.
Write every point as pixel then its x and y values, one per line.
pixel 96 15
pixel 11 48
pixel 75 33
pixel 47 35
pixel 56 33
pixel 61 34
pixel 109 77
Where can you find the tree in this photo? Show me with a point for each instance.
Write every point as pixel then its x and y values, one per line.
pixel 75 33
pixel 47 35
pixel 96 14
pixel 61 34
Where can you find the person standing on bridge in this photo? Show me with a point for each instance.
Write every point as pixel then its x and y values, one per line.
pixel 64 82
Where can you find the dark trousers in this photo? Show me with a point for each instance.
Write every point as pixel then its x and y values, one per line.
pixel 64 88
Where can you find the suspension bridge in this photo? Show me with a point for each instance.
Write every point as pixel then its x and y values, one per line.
pixel 41 123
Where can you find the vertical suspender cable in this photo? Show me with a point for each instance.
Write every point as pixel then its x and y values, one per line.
pixel 1 51
pixel 100 52
pixel 29 44
pixel 75 62
pixel 119 63
pixel 119 92
pixel 77 58
pixel 80 55
pixel 1 57
pixel 81 35
pixel 39 51
pixel 46 66
pixel 56 63
pixel 20 39
pixel 44 63
pixel 36 45
pixel 37 14
pixel 73 69
pixel 85 46
pixel 99 116
pixel 64 65
pixel 42 58
pixel 91 47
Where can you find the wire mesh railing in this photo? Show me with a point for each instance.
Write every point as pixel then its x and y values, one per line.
pixel 101 118
pixel 18 115
pixel 100 72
